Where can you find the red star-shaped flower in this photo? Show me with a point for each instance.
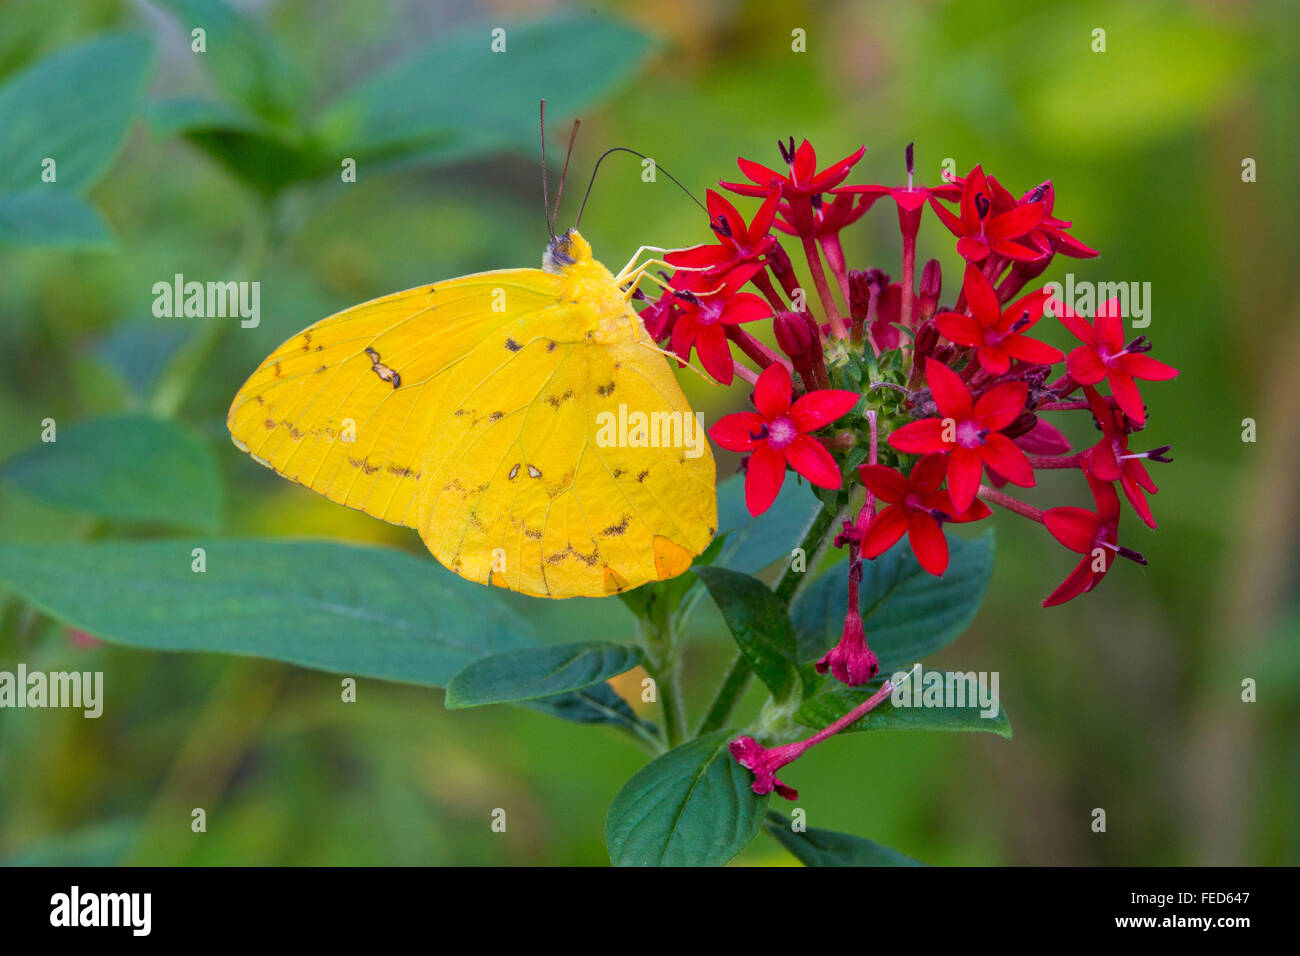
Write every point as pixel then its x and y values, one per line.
pixel 702 320
pixel 1092 534
pixel 995 332
pixel 969 432
pixel 1104 355
pixel 778 434
pixel 1111 460
pixel 738 244
pixel 981 229
pixel 803 182
pixel 917 506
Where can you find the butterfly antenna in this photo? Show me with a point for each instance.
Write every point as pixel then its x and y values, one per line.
pixel 546 203
pixel 624 149
pixel 573 135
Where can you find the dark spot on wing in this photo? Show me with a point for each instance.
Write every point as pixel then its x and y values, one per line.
pixel 615 530
pixel 512 345
pixel 643 475
pixel 605 390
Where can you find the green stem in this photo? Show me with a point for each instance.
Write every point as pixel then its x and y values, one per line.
pixel 663 664
pixel 815 541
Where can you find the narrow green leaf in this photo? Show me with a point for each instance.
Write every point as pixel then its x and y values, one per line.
pixel 832 700
pixel 51 219
pixel 533 672
pixel 125 467
pixel 242 57
pixel 691 807
pixel 815 847
pixel 759 624
pixel 364 612
pixel 73 107
pixel 908 612
pixel 597 704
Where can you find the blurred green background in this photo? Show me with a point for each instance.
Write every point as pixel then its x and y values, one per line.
pixel 1128 699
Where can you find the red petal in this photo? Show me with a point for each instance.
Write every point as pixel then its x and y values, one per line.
pixel 1076 528
pixel 772 391
pixel 959 328
pixel 928 474
pixel 885 528
pixel 1000 405
pixel 950 392
pixel 946 217
pixel 818 409
pixel 1014 250
pixel 810 458
pixel 1085 366
pixel 1138 500
pixel 983 301
pixel 764 476
pixel 972 250
pixel 715 355
pixel 1079 327
pixel 918 438
pixel 1016 222
pixel 1005 457
pixel 696 256
pixel 995 361
pixel 762 223
pixel 758 173
pixel 804 167
pixel 1147 368
pixel 975 185
pixel 1032 350
pixel 928 543
pixel 735 432
pixel 883 482
pixel 744 307
pixel 965 468
pixel 1127 395
pixel 1079 581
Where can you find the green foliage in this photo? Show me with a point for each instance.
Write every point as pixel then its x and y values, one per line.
pixel 691 807
pixel 124 467
pixel 533 672
pixel 908 613
pixel 363 612
pixel 760 625
pixel 816 847
pixel 72 107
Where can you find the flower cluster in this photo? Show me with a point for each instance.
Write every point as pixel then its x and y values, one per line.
pixel 929 410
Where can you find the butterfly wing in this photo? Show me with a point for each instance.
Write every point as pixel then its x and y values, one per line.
pixel 346 407
pixel 531 484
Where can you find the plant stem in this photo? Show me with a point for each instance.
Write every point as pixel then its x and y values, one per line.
pixel 787 587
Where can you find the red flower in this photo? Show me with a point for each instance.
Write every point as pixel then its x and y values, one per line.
pixel 968 432
pixel 828 218
pixel 1050 236
pixel 1110 459
pixel 737 244
pixel 1104 355
pixel 910 199
pixel 778 435
pixel 917 506
pixel 1092 534
pixel 981 230
pixel 702 320
pixel 765 762
pixel 994 332
pixel 803 182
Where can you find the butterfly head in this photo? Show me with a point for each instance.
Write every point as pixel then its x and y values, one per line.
pixel 565 251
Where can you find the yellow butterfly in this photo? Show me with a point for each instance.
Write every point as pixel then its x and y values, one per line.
pixel 478 410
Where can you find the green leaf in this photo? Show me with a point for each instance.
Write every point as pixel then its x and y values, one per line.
pixel 760 625
pixel 51 219
pixel 598 704
pixel 691 807
pixel 754 543
pixel 815 847
pixel 533 672
pixel 832 700
pixel 364 612
pixel 417 106
pixel 125 467
pixel 908 612
pixel 242 58
pixel 73 107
